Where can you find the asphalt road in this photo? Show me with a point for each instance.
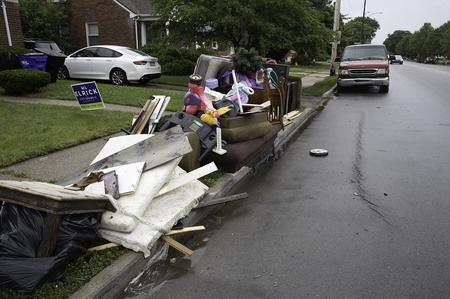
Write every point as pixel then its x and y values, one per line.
pixel 371 220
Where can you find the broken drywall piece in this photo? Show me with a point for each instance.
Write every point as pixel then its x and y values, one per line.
pixel 133 206
pixel 157 150
pixel 117 144
pixel 128 177
pixel 185 178
pixel 162 214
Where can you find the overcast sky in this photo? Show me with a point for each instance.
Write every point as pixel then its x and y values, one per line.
pixel 399 14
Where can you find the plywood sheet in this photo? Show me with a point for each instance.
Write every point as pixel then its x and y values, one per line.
pixel 51 198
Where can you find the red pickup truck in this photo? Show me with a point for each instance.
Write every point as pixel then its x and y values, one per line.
pixel 364 65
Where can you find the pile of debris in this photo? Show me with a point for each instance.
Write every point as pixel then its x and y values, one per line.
pixel 141 184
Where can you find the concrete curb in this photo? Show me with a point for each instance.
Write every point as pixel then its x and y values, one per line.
pixel 111 282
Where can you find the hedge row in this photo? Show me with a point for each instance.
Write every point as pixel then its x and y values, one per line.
pixel 175 60
pixel 23 81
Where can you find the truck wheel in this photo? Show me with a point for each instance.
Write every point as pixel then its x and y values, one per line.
pixel 384 88
pixel 340 89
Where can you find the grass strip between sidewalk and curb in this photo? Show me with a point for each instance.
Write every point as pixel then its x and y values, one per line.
pixel 320 87
pixel 30 130
pixel 76 275
pixel 122 95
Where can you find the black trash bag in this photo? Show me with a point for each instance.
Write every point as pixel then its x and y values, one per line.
pixel 21 231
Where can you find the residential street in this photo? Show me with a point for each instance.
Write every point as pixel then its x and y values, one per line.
pixel 371 220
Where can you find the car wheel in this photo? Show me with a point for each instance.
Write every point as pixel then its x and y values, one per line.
pixel 340 89
pixel 118 77
pixel 63 73
pixel 384 88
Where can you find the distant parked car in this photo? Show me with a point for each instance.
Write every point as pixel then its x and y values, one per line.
pixel 430 60
pixel 116 63
pixel 364 65
pixel 42 45
pixel 396 59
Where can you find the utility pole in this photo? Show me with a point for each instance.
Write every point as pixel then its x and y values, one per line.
pixel 363 35
pixel 336 37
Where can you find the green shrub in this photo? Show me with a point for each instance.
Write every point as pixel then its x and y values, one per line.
pixel 173 59
pixel 8 57
pixel 23 81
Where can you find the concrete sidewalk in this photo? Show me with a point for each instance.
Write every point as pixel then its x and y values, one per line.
pixel 312 78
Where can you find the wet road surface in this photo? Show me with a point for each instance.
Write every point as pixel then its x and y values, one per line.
pixel 371 220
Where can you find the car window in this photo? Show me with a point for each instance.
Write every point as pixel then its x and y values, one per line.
pixel 89 52
pixel 364 53
pixel 105 52
pixel 29 45
pixel 41 45
pixel 134 52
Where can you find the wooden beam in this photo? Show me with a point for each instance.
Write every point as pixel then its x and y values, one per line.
pixel 220 200
pixel 177 245
pixel 103 247
pixel 185 230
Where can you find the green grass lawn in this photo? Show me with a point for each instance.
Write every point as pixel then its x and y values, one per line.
pixel 303 70
pixel 130 95
pixel 320 87
pixel 171 80
pixel 30 130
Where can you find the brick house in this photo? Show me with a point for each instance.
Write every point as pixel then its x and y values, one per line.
pixel 118 22
pixel 10 25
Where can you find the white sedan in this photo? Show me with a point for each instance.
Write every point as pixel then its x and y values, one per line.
pixel 115 63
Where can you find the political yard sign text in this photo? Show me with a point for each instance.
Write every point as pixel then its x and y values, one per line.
pixel 88 96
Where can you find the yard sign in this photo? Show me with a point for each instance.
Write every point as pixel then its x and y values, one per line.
pixel 88 96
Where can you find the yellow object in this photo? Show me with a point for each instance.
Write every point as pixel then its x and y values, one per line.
pixel 211 117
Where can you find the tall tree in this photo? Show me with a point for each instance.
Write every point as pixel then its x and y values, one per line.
pixel 44 19
pixel 419 42
pixel 353 34
pixel 394 39
pixel 270 26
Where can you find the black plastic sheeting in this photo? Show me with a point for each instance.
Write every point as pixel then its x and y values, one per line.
pixel 21 231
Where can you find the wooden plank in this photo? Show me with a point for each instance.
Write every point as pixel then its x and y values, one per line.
pixel 147 113
pixel 154 120
pixel 45 190
pixel 185 230
pixel 138 119
pixel 188 177
pixel 103 247
pixel 221 200
pixel 177 245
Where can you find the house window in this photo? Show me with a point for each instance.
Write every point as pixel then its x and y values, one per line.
pixel 92 34
pixel 215 45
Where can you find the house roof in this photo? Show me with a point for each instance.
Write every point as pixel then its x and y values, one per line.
pixel 139 7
